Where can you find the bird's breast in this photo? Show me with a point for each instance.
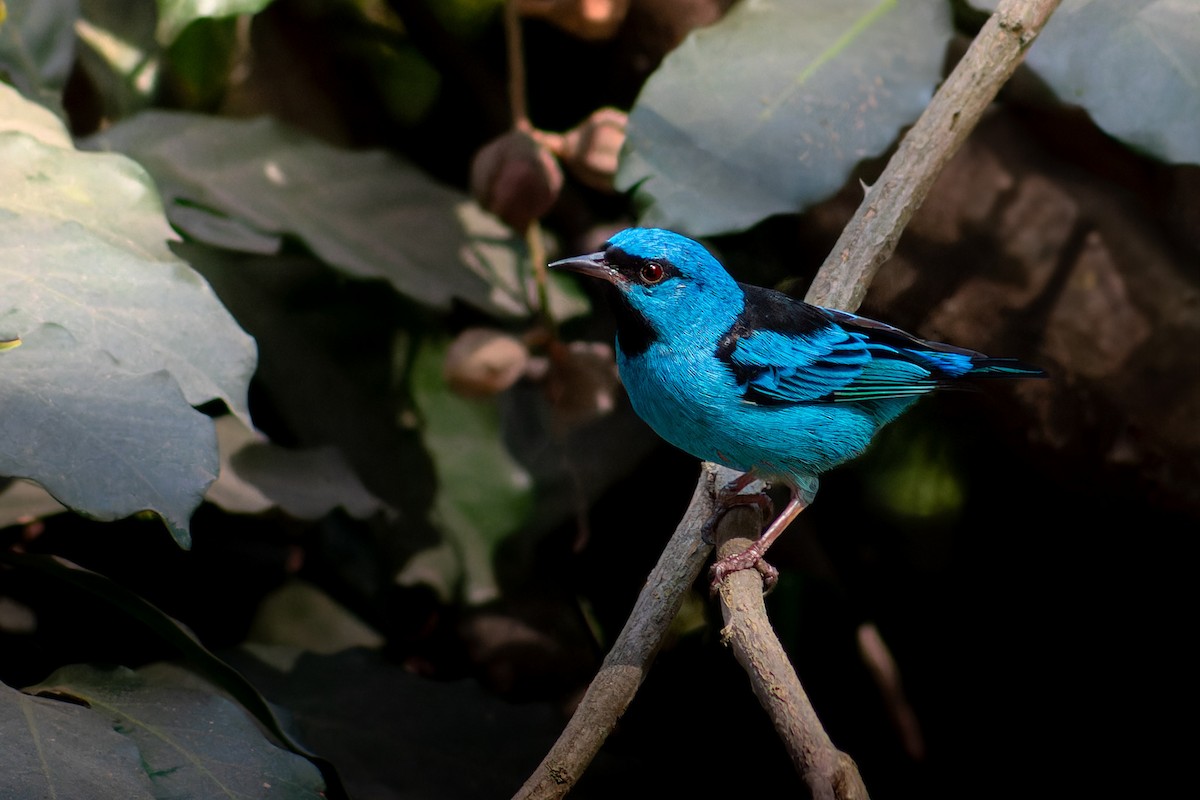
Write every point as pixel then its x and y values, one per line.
pixel 692 399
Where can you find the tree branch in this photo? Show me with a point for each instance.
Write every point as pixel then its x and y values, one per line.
pixel 829 773
pixel 865 244
pixel 626 664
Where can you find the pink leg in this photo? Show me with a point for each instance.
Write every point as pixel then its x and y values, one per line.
pixel 752 556
pixel 730 495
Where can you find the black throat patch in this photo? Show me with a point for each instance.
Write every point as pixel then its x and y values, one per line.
pixel 635 334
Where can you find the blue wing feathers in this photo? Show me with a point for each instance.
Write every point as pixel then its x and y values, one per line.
pixel 779 357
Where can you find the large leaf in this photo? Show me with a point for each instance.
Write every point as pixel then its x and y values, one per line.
pixel 175 15
pixel 102 440
pixel 57 749
pixel 119 338
pixel 192 742
pixel 769 110
pixel 94 587
pixel 1135 67
pixel 131 295
pixel 242 184
pixel 37 47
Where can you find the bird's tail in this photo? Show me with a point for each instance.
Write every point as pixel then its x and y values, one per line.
pixel 987 367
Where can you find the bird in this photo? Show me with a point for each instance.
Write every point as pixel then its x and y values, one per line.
pixel 751 378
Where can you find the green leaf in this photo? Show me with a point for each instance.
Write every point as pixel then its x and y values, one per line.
pixel 200 63
pixel 119 338
pixel 1134 66
pixel 366 213
pixel 102 440
pixel 770 109
pixel 300 614
pixel 37 47
pixel 57 749
pixel 96 587
pixel 111 279
pixel 175 15
pixel 192 742
pixel 483 494
pixel 306 483
pixel 21 116
pixel 393 728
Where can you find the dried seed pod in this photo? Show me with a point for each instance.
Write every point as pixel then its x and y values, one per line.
pixel 592 149
pixel 516 178
pixel 582 382
pixel 482 362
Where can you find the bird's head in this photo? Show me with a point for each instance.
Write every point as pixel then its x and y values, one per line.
pixel 665 284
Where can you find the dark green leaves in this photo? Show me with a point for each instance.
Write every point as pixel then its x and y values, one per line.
pixel 103 440
pixel 483 493
pixel 243 184
pixel 119 338
pixel 768 111
pixel 57 749
pixel 180 738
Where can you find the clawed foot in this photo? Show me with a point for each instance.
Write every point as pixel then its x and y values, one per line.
pixel 730 497
pixel 749 558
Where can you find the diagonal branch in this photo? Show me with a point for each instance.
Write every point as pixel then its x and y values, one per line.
pixel 866 243
pixel 627 663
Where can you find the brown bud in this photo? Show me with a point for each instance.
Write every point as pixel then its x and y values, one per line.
pixel 482 362
pixel 582 381
pixel 588 19
pixel 592 150
pixel 516 178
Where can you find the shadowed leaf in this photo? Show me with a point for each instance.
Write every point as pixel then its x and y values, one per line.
pixel 239 183
pixel 1149 94
pixel 104 441
pixel 65 750
pixel 192 742
pixel 119 338
pixel 306 483
pixel 769 110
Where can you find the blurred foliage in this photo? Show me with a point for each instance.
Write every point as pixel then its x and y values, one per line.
pixel 770 85
pixel 259 278
pixel 1147 97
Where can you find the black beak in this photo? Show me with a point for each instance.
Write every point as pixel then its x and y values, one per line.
pixel 593 265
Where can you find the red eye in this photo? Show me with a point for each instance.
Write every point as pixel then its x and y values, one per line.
pixel 652 272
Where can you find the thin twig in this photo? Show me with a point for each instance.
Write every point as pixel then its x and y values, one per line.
pixel 516 67
pixel 626 664
pixel 519 109
pixel 866 243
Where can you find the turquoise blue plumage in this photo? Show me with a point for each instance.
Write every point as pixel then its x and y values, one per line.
pixel 754 379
